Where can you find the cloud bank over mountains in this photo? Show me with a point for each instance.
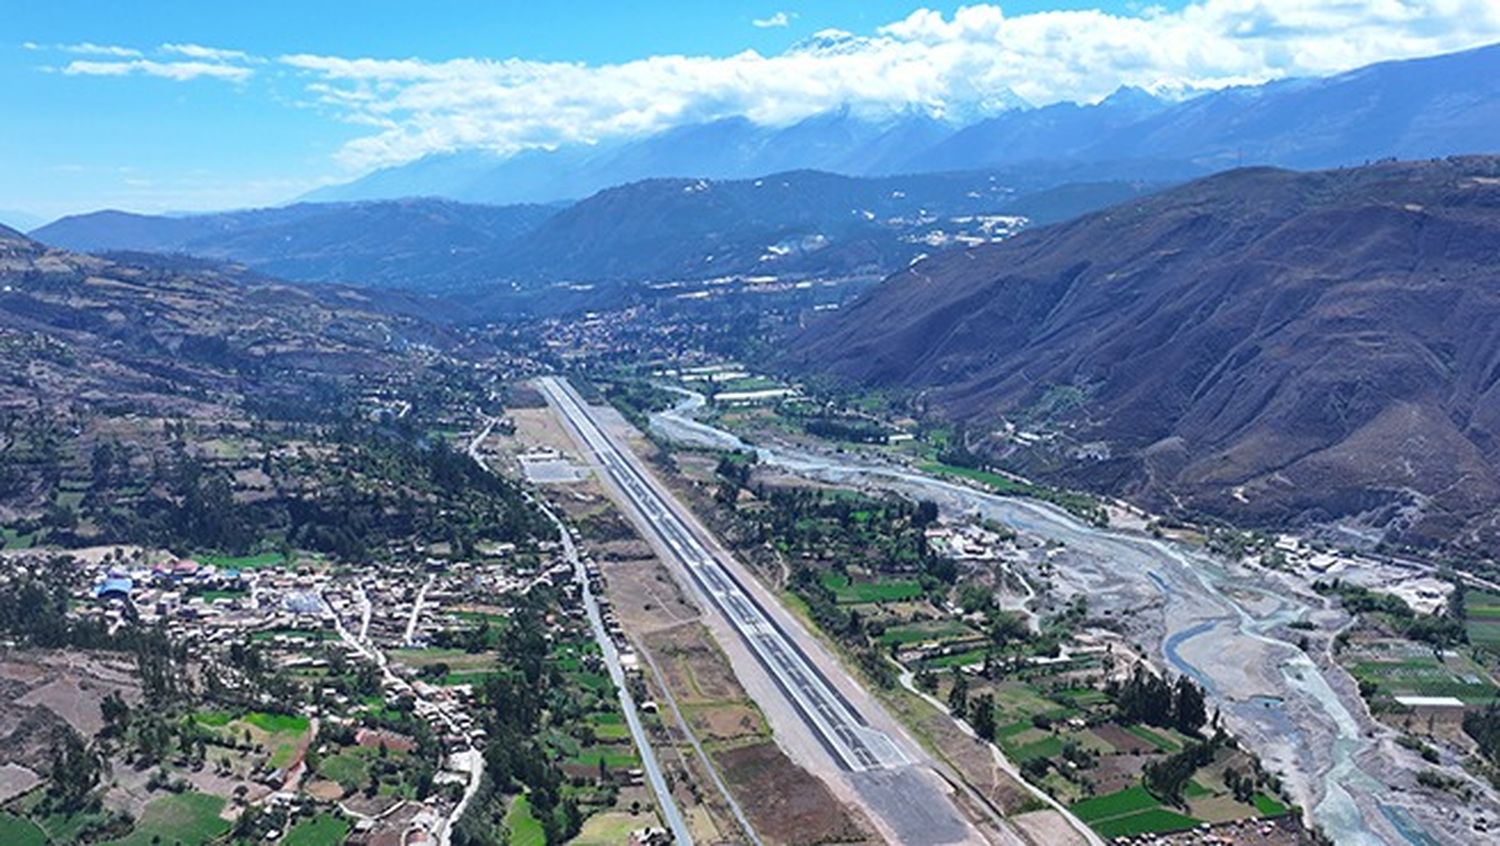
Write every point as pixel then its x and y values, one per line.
pixel 977 62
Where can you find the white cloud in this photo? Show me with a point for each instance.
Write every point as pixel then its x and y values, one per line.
pixel 777 20
pixel 181 62
pixel 960 65
pixel 212 54
pixel 85 48
pixel 89 49
pixel 976 61
pixel 179 71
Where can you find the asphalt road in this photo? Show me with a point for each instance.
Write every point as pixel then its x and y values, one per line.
pixel 681 834
pixel 904 796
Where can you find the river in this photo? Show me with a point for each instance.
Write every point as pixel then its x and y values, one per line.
pixel 1218 624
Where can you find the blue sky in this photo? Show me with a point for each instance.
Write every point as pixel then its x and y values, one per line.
pixel 569 30
pixel 159 106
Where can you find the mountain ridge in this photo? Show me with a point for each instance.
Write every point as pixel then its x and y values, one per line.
pixel 726 148
pixel 390 243
pixel 1413 108
pixel 652 230
pixel 169 333
pixel 1281 347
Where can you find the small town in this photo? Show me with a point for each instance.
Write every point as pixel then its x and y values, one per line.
pixel 380 734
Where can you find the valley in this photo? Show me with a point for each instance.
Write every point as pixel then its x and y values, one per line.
pixel 960 656
pixel 1195 607
pixel 1250 346
pixel 1065 424
pixel 647 240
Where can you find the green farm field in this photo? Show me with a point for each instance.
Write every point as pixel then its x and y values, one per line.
pixel 188 818
pixel 322 830
pixel 849 592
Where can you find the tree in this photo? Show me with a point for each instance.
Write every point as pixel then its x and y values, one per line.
pixel 1147 698
pixel 854 627
pixel 116 714
pixel 927 513
pixel 102 463
pixel 424 781
pixel 1008 627
pixel 61 517
pixel 570 821
pixel 1484 728
pixel 958 696
pixel 1189 712
pixel 975 597
pixel 1034 769
pixel 1167 778
pixel 1457 604
pixel 982 716
pixel 75 769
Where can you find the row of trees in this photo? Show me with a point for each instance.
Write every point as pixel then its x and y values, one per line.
pixel 76 768
pixel 1167 778
pixel 1441 631
pixel 978 713
pixel 885 535
pixel 1154 700
pixel 637 399
pixel 850 429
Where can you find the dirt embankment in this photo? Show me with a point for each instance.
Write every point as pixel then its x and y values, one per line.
pixel 786 803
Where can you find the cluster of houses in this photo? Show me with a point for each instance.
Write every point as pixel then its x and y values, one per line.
pixel 629 661
pixel 172 589
pixel 967 542
pixel 1422 591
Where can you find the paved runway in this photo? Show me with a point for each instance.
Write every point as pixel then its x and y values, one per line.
pixel 855 745
pixel 908 798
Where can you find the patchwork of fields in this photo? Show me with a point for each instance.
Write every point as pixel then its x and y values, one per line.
pixel 1135 811
pixel 1483 618
pixel 184 818
pixel 1404 668
pixel 275 740
pixel 1068 738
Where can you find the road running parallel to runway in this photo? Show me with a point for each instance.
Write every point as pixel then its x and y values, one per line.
pixel 812 704
pixel 842 730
